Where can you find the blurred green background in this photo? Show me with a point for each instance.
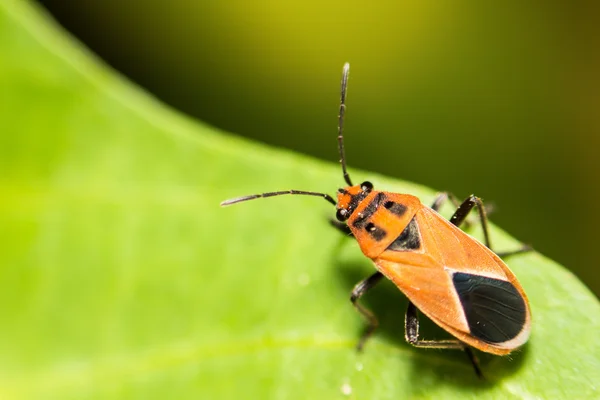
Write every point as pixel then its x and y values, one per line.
pixel 498 100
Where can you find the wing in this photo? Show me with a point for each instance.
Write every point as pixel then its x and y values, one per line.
pixel 459 284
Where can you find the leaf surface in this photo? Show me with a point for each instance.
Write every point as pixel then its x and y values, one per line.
pixel 121 277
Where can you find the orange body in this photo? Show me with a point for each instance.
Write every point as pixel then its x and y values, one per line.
pixel 422 252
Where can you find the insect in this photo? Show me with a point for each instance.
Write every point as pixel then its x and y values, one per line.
pixel 455 280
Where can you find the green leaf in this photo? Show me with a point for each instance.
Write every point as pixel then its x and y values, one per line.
pixel 122 277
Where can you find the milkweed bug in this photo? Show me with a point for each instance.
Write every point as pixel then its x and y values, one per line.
pixel 452 278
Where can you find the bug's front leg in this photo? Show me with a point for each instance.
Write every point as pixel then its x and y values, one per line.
pixel 341 226
pixel 359 289
pixel 442 198
pixel 411 328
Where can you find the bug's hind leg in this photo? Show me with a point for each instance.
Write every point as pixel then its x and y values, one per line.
pixel 411 328
pixel 474 362
pixel 411 332
pixel 359 289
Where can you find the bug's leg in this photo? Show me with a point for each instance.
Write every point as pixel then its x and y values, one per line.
pixel 411 331
pixel 359 289
pixel 442 197
pixel 340 226
pixel 474 362
pixel 525 248
pixel 411 326
pixel 463 210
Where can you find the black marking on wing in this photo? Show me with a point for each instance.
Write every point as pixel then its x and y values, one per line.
pixel 409 239
pixel 368 211
pixel 495 310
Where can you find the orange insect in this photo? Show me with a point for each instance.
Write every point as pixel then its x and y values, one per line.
pixel 452 278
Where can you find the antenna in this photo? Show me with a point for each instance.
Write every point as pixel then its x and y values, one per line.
pixel 280 193
pixel 327 197
pixel 344 89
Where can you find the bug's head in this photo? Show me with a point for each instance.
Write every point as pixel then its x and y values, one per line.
pixel 349 197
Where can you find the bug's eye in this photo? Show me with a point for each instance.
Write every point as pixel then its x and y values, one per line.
pixel 366 186
pixel 342 214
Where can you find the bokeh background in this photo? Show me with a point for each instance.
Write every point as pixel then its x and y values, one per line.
pixel 497 99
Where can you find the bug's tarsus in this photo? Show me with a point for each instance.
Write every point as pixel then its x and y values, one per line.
pixel 411 333
pixel 341 115
pixel 279 193
pixel 359 289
